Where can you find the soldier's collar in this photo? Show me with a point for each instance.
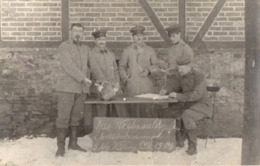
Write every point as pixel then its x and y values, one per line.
pixel 136 45
pixel 180 41
pixel 190 73
pixel 101 50
pixel 75 43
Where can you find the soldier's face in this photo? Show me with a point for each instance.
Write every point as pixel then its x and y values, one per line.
pixel 175 37
pixel 138 39
pixel 184 69
pixel 101 42
pixel 77 33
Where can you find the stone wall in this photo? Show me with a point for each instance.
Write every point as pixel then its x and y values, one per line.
pixel 27 101
pixel 29 106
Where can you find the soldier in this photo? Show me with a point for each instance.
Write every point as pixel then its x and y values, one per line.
pixel 72 86
pixel 178 49
pixel 194 95
pixel 103 69
pixel 134 69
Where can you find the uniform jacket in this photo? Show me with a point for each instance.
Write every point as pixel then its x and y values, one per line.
pixel 73 61
pixel 195 90
pixel 180 49
pixel 130 65
pixel 103 66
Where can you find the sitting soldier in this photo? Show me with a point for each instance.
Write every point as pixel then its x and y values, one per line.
pixel 197 103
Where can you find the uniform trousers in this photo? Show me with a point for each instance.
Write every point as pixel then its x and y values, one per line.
pixel 188 115
pixel 70 109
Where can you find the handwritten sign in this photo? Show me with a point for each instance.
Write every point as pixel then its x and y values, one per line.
pixel 133 134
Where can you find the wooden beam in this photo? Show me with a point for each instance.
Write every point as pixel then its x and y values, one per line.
pixel 182 17
pixel 149 11
pixel 207 24
pixel 0 21
pixel 251 123
pixel 119 45
pixel 29 44
pixel 65 19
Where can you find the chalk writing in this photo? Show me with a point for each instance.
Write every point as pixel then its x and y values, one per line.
pixel 132 134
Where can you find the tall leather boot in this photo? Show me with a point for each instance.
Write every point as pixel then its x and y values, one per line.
pixel 74 139
pixel 192 142
pixel 180 134
pixel 61 136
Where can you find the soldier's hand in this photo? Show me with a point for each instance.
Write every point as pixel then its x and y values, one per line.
pixel 162 92
pixel 88 82
pixel 173 95
pixel 144 73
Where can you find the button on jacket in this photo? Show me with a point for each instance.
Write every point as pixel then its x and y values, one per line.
pixel 73 60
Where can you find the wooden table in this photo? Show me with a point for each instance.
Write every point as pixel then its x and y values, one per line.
pixel 129 100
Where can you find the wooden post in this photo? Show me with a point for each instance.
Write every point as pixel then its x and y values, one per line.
pixel 182 18
pixel 65 19
pixel 251 125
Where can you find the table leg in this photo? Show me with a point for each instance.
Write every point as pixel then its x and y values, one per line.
pixel 138 115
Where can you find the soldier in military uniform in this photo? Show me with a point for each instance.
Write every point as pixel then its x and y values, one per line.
pixel 178 49
pixel 194 94
pixel 104 68
pixel 72 86
pixel 134 69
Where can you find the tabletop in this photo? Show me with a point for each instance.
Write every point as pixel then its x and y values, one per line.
pixel 129 100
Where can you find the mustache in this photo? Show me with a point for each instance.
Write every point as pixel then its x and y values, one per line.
pixel 77 37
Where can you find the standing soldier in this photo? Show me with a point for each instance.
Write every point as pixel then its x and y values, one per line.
pixel 72 86
pixel 178 49
pixel 134 68
pixel 104 69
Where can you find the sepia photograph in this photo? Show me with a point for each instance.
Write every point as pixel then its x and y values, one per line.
pixel 129 82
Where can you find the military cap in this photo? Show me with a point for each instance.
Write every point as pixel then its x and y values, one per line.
pixel 99 33
pixel 183 60
pixel 175 28
pixel 137 30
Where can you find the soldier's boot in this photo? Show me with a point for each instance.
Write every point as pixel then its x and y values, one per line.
pixel 180 139
pixel 88 129
pixel 74 139
pixel 61 136
pixel 180 135
pixel 192 142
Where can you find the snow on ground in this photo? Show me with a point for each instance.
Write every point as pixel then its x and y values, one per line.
pixel 41 151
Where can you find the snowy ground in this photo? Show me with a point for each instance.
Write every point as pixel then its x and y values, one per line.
pixel 41 151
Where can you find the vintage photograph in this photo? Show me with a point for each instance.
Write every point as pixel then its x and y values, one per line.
pixel 129 82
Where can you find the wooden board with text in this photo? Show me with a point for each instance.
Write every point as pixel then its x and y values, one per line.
pixel 133 134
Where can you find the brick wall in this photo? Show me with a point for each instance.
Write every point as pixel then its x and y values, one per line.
pixel 40 20
pixel 119 15
pixel 30 20
pixel 228 25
